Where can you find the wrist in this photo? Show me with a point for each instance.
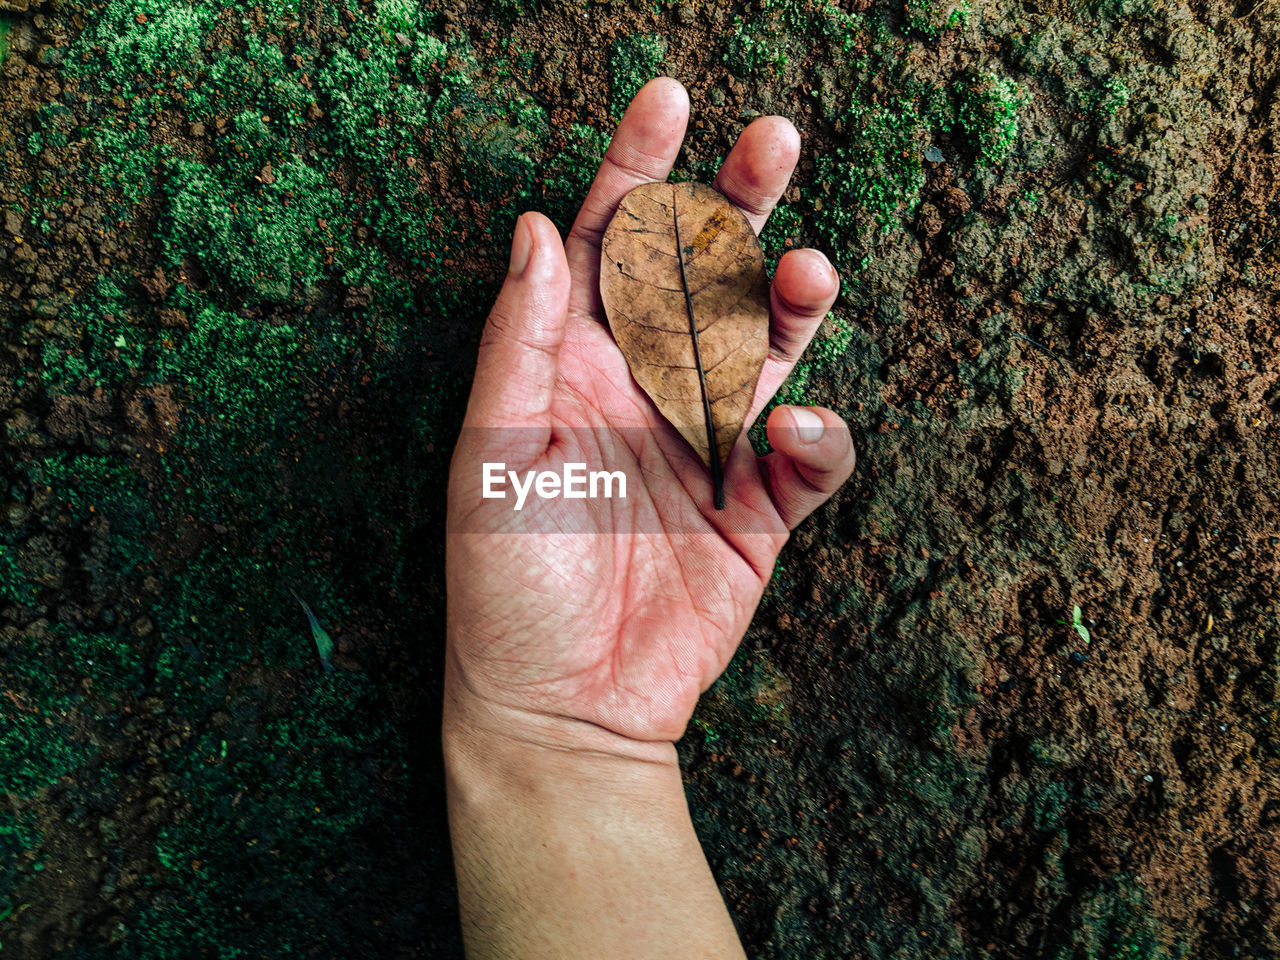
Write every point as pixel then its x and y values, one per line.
pixel 572 844
pixel 521 747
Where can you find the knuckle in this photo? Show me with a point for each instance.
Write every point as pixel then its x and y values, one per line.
pixel 634 163
pixel 498 329
pixel 585 233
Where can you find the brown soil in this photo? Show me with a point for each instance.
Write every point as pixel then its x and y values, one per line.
pixel 917 755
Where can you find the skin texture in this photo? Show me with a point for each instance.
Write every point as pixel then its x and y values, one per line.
pixel 576 653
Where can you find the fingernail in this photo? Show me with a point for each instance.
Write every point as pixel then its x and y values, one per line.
pixel 827 266
pixel 808 424
pixel 521 247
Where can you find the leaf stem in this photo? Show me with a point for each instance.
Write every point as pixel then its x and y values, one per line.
pixel 717 473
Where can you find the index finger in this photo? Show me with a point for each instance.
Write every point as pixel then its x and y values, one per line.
pixel 643 149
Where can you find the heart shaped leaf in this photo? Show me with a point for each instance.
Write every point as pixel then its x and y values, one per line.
pixel 685 290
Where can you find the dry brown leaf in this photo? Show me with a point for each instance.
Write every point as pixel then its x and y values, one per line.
pixel 685 290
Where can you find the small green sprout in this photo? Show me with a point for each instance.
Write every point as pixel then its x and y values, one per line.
pixel 1077 623
pixel 324 644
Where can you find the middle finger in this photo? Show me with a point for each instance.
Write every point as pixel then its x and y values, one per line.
pixel 758 168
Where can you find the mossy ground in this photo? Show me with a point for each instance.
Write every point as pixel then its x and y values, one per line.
pixel 246 253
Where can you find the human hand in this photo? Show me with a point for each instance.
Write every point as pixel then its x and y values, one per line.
pixel 600 630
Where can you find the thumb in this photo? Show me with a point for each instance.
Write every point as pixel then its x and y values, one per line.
pixel 812 456
pixel 520 346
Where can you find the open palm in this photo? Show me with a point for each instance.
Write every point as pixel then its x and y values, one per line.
pixel 617 613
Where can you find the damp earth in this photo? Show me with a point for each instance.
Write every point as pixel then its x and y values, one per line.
pixel 1012 694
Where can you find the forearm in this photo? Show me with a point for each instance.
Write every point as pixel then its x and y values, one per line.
pixel 563 853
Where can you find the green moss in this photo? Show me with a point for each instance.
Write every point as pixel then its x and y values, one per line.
pixel 1050 807
pixel 15 586
pixel 569 173
pixel 823 351
pixel 499 145
pixel 633 62
pixel 1116 922
pixel 36 747
pixel 127 159
pixel 932 710
pixel 402 16
pixel 17 836
pixel 785 224
pixel 110 662
pixel 253 78
pixel 756 47
pixel 874 177
pixel 270 805
pixel 87 486
pixel 1107 100
pixel 94 339
pixel 266 244
pixel 362 92
pixel 929 18
pixel 987 115
pixel 147 36
pixel 102 497
pixel 1026 204
pixel 881 119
